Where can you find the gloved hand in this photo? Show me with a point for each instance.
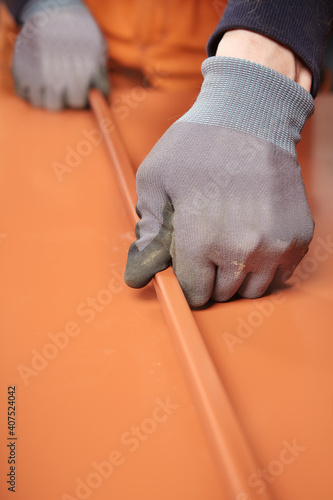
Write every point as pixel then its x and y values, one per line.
pixel 221 195
pixel 59 54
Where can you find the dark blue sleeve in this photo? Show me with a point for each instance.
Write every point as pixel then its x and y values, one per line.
pixel 301 25
pixel 15 6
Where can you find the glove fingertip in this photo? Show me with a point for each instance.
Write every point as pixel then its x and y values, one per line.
pixel 142 266
pixel 134 279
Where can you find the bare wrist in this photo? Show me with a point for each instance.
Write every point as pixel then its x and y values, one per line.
pixel 254 47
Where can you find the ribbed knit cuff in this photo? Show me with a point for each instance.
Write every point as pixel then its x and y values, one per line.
pixel 246 96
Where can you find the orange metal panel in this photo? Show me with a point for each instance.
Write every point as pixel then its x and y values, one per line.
pixel 103 408
pixel 234 457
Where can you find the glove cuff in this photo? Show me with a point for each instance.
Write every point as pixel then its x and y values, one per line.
pixel 33 7
pixel 246 96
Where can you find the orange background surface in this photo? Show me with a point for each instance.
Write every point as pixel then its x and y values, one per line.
pixel 103 409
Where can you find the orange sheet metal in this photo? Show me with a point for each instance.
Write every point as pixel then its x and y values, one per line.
pixel 102 407
pixel 274 354
pixel 234 457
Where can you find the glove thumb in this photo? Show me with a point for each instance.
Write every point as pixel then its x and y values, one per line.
pixel 150 253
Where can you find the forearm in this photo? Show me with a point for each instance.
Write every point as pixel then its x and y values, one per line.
pixel 302 25
pixel 244 44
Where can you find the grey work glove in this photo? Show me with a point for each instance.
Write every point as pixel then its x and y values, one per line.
pixel 59 54
pixel 221 195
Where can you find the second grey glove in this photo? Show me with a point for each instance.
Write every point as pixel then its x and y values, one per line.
pixel 59 54
pixel 221 195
